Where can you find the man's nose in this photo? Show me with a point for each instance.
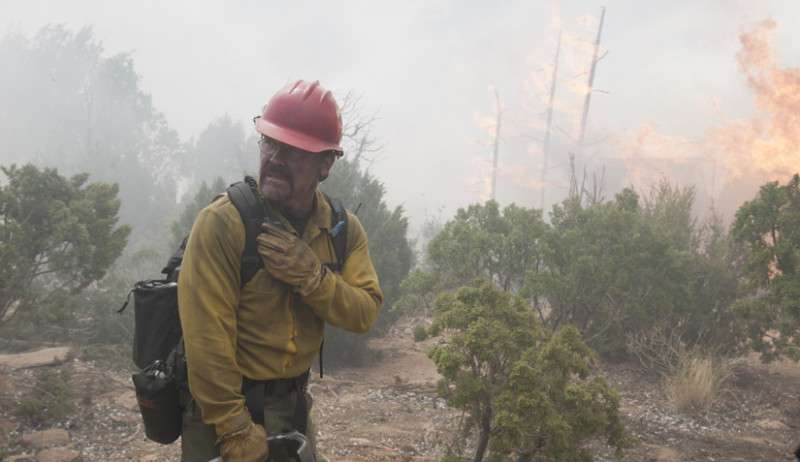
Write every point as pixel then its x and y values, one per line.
pixel 278 158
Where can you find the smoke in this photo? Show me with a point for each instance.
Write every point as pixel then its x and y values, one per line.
pixel 425 66
pixel 652 156
pixel 524 118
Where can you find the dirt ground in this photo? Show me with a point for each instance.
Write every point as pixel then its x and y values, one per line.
pixel 389 411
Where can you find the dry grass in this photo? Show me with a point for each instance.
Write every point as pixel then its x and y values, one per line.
pixel 696 382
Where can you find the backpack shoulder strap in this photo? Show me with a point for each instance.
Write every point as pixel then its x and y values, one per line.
pixel 174 262
pixel 338 232
pixel 252 212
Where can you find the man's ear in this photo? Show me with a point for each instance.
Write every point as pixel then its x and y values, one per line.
pixel 326 163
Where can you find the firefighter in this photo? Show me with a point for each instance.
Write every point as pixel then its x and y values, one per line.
pixel 259 341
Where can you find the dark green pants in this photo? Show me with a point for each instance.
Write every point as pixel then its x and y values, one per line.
pixel 198 439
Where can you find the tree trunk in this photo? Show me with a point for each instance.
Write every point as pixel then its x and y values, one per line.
pixel 483 435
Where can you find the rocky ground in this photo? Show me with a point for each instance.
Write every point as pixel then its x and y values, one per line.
pixel 390 412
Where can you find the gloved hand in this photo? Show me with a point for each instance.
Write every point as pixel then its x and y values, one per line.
pixel 246 445
pixel 289 259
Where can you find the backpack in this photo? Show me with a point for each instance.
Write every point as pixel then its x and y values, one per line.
pixel 157 339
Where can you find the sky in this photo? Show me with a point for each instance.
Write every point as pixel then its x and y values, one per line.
pixel 429 69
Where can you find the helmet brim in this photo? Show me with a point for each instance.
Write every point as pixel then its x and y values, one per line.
pixel 294 138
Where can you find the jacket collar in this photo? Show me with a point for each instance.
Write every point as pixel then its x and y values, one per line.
pixel 319 220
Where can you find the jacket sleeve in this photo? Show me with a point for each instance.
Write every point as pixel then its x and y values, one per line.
pixel 350 300
pixel 208 296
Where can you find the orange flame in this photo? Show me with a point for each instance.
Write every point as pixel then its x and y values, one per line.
pixel 770 142
pixel 739 154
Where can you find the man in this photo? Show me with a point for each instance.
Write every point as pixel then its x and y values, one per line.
pixel 265 335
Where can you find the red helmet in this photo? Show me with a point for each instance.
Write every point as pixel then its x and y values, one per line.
pixel 303 115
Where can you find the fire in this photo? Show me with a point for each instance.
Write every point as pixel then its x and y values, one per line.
pixel 739 155
pixel 770 142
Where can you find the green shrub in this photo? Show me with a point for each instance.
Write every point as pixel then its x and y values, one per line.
pixel 98 307
pixel 58 235
pixel 50 399
pixel 618 268
pixel 191 207
pixel 484 241
pixel 420 333
pixel 523 388
pixel 389 248
pixel 344 349
pixel 612 269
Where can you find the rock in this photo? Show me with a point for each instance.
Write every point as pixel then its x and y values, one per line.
pixel 21 458
pixel 58 455
pixel 667 455
pixel 149 458
pixel 126 418
pixel 45 357
pixel 363 442
pixel 46 438
pixel 770 424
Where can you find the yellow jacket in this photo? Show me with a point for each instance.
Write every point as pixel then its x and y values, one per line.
pixel 264 330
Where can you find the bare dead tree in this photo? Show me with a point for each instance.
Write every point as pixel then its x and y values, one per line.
pixel 595 194
pixel 574 189
pixel 590 83
pixel 550 104
pixel 586 102
pixel 357 128
pixel 496 144
pixel 586 192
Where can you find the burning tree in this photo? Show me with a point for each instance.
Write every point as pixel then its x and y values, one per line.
pixel 768 229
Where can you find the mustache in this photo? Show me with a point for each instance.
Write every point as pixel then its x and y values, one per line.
pixel 277 170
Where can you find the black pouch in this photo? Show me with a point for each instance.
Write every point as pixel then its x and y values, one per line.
pixel 159 402
pixel 157 325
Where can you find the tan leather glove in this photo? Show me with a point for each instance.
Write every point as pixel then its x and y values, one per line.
pixel 246 445
pixel 289 259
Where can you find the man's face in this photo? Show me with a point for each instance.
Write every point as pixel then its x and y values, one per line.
pixel 290 174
